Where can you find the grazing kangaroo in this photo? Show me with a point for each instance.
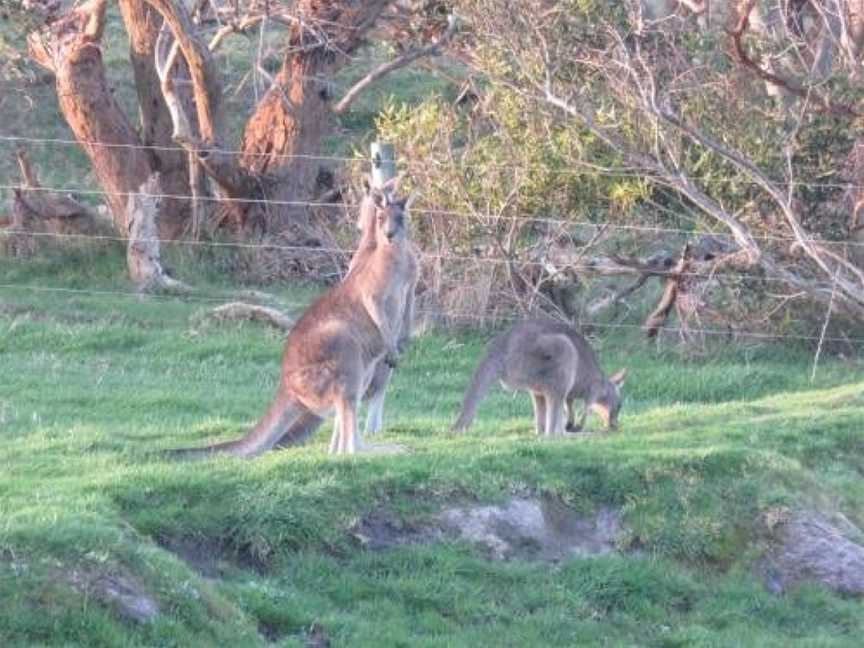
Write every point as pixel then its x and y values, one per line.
pixel 332 352
pixel 553 362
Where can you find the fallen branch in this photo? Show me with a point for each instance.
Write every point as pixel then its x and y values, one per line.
pixel 240 311
pixel 43 217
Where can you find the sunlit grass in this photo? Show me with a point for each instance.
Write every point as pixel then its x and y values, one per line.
pixel 94 385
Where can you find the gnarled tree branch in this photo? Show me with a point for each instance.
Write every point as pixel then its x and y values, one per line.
pixel 401 61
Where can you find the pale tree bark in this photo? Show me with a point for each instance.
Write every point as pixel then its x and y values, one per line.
pixel 70 48
pixel 283 137
pixel 143 250
pixel 143 24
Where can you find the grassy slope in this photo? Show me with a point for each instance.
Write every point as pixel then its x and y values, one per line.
pixel 92 384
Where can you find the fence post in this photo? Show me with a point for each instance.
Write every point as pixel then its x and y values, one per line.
pixel 383 162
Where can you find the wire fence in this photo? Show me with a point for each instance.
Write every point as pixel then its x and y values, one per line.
pixel 427 212
pixel 347 252
pixel 584 167
pixel 476 215
pixel 465 316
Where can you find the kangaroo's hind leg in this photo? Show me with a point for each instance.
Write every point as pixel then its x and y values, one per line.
pixel 554 416
pixel 335 437
pixel 345 427
pixel 539 412
pixel 375 394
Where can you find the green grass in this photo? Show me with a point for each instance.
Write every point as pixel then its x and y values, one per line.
pixel 92 385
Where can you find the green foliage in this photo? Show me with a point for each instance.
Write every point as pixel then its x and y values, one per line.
pixel 95 384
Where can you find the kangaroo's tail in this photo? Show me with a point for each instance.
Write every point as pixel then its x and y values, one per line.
pixel 283 414
pixel 490 369
pixel 299 431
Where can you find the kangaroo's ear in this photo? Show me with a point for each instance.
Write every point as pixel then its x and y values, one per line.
pixel 367 184
pixel 618 377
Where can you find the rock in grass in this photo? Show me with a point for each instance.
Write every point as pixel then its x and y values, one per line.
pixel 123 593
pixel 810 548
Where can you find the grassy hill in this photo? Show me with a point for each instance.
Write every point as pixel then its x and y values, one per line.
pixel 95 380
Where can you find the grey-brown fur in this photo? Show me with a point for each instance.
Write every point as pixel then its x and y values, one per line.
pixel 376 391
pixel 555 364
pixel 332 352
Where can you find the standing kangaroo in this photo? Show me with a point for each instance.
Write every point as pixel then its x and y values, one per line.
pixel 553 362
pixel 377 389
pixel 332 352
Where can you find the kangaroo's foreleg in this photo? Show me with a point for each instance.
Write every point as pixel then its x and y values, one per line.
pixel 375 414
pixel 374 305
pixel 577 427
pixel 539 401
pixel 571 426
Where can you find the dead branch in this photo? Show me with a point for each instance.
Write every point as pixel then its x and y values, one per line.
pixel 737 34
pixel 40 217
pixel 405 59
pixel 202 147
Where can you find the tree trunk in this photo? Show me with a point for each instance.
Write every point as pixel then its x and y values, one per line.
pixel 69 47
pixel 142 252
pixel 294 115
pixel 142 25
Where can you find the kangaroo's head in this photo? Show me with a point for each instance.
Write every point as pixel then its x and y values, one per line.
pixel 606 402
pixel 382 213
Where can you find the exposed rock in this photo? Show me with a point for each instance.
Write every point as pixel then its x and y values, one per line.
pixel 811 548
pixel 532 529
pixel 123 593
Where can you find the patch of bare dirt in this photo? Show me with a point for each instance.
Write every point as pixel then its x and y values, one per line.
pixel 211 558
pixel 810 547
pixel 524 528
pixel 382 530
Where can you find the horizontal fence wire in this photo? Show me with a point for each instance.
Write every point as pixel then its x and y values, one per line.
pixel 586 168
pixel 493 260
pixel 452 316
pixel 561 222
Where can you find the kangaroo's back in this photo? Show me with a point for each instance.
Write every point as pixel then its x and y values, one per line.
pixel 587 371
pixel 542 355
pixel 541 363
